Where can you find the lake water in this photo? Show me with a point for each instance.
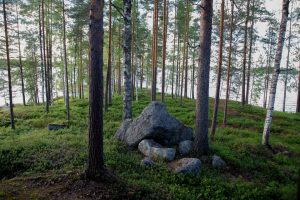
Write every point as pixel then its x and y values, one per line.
pixel 291 99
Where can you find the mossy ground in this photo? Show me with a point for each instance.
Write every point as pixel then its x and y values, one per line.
pixel 252 172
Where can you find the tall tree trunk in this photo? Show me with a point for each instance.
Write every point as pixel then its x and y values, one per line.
pixel 174 48
pixel 44 56
pixel 250 53
pixel 298 99
pixel 217 97
pixel 193 72
pixel 41 56
pixel 95 158
pixel 81 95
pixel 154 51
pixel 74 68
pixel 182 71
pixel 20 58
pixel 229 65
pixel 278 56
pixel 48 57
pixel 36 88
pixel 127 60
pixel 245 55
pixel 66 67
pixel 108 76
pixel 119 64
pixel 287 66
pixel 50 53
pixel 11 105
pixel 178 67
pixel 187 20
pixel 201 133
pixel 164 49
pixel 142 65
pixel 133 47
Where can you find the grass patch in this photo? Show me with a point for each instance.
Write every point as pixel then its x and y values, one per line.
pixel 252 172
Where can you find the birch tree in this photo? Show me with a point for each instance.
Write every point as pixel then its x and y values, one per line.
pixel 278 56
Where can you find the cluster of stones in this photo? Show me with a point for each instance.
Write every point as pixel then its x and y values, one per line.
pixel 159 136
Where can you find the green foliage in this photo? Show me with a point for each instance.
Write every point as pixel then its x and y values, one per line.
pixel 252 172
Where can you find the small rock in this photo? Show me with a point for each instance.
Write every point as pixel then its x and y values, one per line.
pixel 185 147
pixel 55 127
pixel 218 162
pixel 186 166
pixel 147 162
pixel 167 154
pixel 146 145
pixel 154 150
pixel 286 153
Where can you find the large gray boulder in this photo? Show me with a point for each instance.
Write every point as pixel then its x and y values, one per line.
pixel 155 151
pixel 186 166
pixel 156 123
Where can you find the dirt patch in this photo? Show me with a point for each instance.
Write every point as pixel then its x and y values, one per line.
pixel 72 186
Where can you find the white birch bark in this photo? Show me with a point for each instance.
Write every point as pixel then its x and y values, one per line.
pixel 278 56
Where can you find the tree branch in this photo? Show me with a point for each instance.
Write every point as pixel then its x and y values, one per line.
pixel 118 9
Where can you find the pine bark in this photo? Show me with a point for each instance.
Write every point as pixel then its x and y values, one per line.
pixel 119 64
pixel 95 154
pixel 174 49
pixel 127 60
pixel 154 51
pixel 66 67
pixel 245 55
pixel 298 99
pixel 20 58
pixel 201 133
pixel 229 66
pixel 44 57
pixel 108 91
pixel 278 56
pixel 193 73
pixel 220 60
pixel 187 20
pixel 41 55
pixel 250 53
pixel 11 105
pixel 165 21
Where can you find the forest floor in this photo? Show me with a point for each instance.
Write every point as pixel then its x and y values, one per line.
pixel 39 164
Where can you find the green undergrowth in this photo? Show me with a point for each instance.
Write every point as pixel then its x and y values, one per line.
pixel 252 172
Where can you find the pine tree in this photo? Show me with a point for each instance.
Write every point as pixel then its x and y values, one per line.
pixel 201 133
